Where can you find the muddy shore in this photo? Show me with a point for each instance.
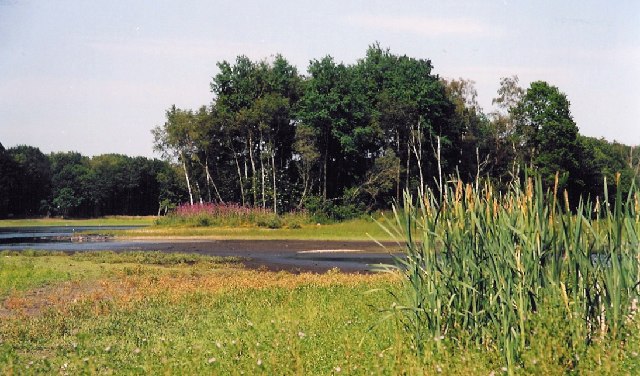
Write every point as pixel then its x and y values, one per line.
pixel 276 255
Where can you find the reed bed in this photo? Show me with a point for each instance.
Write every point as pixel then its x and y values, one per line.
pixel 481 266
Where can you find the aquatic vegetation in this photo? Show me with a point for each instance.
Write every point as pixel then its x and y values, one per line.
pixel 482 267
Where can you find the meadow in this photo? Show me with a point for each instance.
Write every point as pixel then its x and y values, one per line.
pixel 516 282
pixel 153 313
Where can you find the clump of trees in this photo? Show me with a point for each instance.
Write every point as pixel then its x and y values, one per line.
pixel 70 184
pixel 347 138
pixel 338 141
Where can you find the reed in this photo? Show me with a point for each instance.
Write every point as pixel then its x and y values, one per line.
pixel 478 265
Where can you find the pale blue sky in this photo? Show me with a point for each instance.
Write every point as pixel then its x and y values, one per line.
pixel 97 76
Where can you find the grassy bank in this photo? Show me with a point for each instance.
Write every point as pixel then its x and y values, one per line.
pixel 355 229
pixel 148 313
pixel 102 221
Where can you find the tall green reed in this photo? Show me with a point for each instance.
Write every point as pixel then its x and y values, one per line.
pixel 478 264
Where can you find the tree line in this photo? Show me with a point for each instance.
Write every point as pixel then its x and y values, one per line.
pixel 338 140
pixel 356 136
pixel 70 184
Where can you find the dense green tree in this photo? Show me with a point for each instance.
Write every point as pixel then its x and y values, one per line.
pixel 72 184
pixel 505 161
pixel 34 180
pixel 9 182
pixel 322 109
pixel 412 109
pixel 548 135
pixel 306 157
pixel 253 105
pixel 601 161
pixel 383 103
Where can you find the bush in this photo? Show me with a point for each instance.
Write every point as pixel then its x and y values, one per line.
pixel 327 211
pixel 202 215
pixel 272 221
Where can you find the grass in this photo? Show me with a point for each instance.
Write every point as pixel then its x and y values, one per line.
pixel 149 313
pixel 355 229
pixel 20 271
pixel 103 221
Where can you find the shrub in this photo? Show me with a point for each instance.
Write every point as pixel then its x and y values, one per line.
pixel 201 215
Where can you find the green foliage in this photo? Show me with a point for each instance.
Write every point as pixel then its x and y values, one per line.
pixel 487 265
pixel 327 211
pixel 231 216
pixel 65 201
pixel 549 135
pixel 34 181
pixel 355 135
pixel 151 258
pixel 9 173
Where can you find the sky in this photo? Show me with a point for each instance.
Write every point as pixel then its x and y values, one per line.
pixel 97 76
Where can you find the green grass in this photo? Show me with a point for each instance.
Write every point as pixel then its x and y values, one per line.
pixel 356 229
pixel 168 315
pixel 103 221
pixel 24 270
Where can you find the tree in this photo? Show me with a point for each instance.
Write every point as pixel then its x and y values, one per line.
pixel 501 136
pixel 321 110
pixel 306 157
pixel 9 182
pixel 72 184
pixel 413 112
pixel 66 201
pixel 477 146
pixel 175 140
pixel 548 136
pixel 255 102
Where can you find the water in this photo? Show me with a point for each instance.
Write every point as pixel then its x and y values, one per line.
pixel 277 255
pixel 51 235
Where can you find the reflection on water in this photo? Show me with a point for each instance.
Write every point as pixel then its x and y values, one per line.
pixel 277 255
pixel 53 237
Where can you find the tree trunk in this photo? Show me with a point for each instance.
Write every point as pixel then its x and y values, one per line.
pixel 209 178
pixel 399 165
pixel 254 183
pixel 264 201
pixel 235 157
pixel 305 187
pixel 324 173
pixel 275 191
pixel 186 176
pixel 198 192
pixel 418 154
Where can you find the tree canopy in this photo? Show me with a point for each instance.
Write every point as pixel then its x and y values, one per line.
pixel 341 138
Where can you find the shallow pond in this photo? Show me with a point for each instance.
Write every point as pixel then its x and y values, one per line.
pixel 292 255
